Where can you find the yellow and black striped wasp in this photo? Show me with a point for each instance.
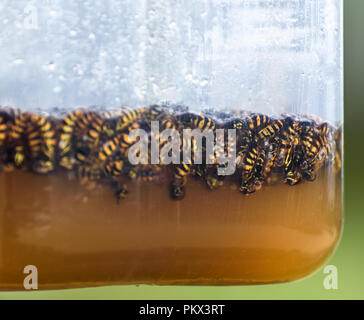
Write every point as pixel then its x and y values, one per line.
pixel 95 127
pixel 181 171
pixel 184 168
pixel 109 148
pixel 4 133
pixel 257 121
pixel 113 168
pixel 250 132
pixel 248 170
pixel 316 148
pixel 120 189
pixel 120 120
pixel 80 130
pixel 288 149
pixel 196 121
pixel 18 135
pixel 67 138
pixel 43 142
pixel 128 117
pixel 156 112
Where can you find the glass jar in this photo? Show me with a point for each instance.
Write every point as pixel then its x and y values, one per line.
pixel 78 210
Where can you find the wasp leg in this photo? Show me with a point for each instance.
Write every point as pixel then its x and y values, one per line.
pixel 178 190
pixel 120 190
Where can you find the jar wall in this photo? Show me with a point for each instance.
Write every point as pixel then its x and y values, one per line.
pixel 265 56
pixel 212 62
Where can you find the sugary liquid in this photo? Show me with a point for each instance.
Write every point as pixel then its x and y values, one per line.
pixel 80 238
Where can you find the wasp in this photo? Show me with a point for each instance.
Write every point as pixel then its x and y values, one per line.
pixel 120 190
pixel 165 124
pixel 156 112
pixel 33 137
pixel 209 171
pixel 17 135
pixel 238 124
pixel 119 143
pixel 4 130
pixel 186 167
pixel 66 140
pixel 327 135
pixel 109 122
pixel 200 122
pixel 257 121
pixel 244 136
pixel 108 149
pixel 95 129
pixel 288 141
pixel 114 168
pixel 314 149
pixel 260 171
pixel 272 155
pixel 181 172
pixel 79 130
pixel 127 117
pixel 195 121
pixel 271 130
pixel 89 129
pixel 247 173
pixel 43 140
pixel 82 157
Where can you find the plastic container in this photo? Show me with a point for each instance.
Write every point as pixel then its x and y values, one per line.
pixel 76 209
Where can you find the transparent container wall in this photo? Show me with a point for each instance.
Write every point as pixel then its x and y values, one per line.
pixel 266 56
pixel 72 66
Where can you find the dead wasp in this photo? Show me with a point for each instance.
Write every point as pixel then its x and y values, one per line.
pixel 247 172
pixel 127 117
pixel 48 141
pixel 108 148
pixel 67 137
pixel 186 167
pixel 3 129
pixel 257 121
pixel 286 158
pixel 196 121
pixel 155 113
pixel 315 149
pixel 179 181
pixel 271 130
pixel 95 129
pixel 4 132
pixel 244 135
pixel 120 190
pixel 80 129
pixel 17 135
pixel 113 168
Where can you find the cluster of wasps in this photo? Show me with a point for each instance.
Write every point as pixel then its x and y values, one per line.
pixel 93 145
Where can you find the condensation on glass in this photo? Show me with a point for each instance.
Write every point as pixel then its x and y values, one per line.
pixel 269 57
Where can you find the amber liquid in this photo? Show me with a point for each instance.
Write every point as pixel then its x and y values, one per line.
pixel 78 237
